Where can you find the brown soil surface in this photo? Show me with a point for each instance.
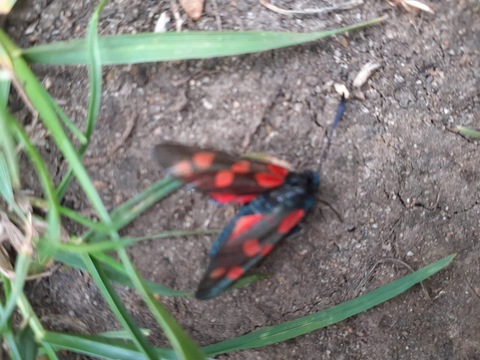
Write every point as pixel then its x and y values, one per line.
pixel 405 184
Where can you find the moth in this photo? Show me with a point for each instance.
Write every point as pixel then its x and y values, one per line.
pixel 275 200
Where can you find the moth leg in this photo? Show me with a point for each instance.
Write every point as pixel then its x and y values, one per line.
pixel 325 202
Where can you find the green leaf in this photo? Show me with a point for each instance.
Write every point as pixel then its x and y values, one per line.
pixel 304 325
pixel 146 47
pixel 27 345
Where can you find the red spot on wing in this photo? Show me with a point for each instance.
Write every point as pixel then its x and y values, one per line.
pixel 245 223
pixel 243 199
pixel 224 178
pixel 203 160
pixel 268 180
pixel 275 169
pixel 183 169
pixel 290 221
pixel 235 273
pixel 251 247
pixel 241 167
pixel 223 198
pixel 217 273
pixel 266 249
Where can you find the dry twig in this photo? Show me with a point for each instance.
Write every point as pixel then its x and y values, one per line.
pixel 317 11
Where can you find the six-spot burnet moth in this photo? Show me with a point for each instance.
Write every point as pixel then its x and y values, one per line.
pixel 275 201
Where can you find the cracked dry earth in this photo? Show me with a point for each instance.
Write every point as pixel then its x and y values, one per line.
pixel 405 184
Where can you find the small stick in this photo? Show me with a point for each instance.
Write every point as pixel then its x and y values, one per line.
pixel 338 117
pixel 342 6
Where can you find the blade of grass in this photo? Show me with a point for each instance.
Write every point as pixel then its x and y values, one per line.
pixel 290 329
pixel 116 272
pixel 53 215
pixel 6 186
pixel 181 342
pixel 101 347
pixel 14 350
pixel 94 269
pixel 123 214
pixel 127 241
pixel 72 215
pixel 171 328
pixel 146 47
pixel 37 328
pixel 116 306
pixel 6 140
pixel 65 119
pixel 21 271
pixel 28 346
pixel 7 331
pixel 132 208
pixel 32 89
pixel 95 81
pixel 468 132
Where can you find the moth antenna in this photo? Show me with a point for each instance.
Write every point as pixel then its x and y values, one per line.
pixel 338 117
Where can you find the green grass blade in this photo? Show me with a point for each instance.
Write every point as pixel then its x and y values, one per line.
pixel 21 272
pixel 121 334
pixel 49 117
pixel 28 314
pixel 117 273
pixel 127 241
pixel 33 89
pixel 53 216
pixel 101 347
pixel 72 215
pixel 65 119
pixel 288 330
pixel 15 351
pixel 468 132
pixel 117 307
pixel 131 209
pixel 108 348
pixel 28 346
pixel 7 145
pixel 124 213
pixel 95 81
pixel 6 187
pixel 146 47
pixel 181 342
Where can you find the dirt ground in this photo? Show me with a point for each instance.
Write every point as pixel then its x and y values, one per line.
pixel 406 185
